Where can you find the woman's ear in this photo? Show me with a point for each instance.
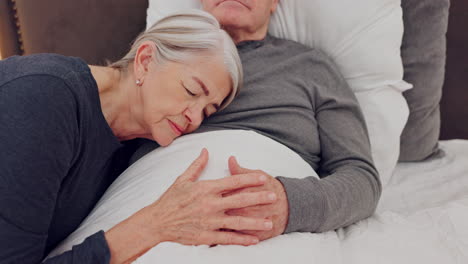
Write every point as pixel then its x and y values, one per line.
pixel 144 56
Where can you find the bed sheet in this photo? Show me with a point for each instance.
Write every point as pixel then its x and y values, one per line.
pixel 422 218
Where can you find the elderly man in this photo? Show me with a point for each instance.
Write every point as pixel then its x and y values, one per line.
pixel 296 96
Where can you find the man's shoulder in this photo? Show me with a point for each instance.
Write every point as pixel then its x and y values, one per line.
pixel 298 48
pixel 302 54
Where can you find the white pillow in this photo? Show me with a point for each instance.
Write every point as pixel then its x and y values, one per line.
pixel 364 38
pixel 146 180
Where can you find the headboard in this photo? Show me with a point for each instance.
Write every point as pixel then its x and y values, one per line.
pixel 454 104
pixel 95 30
pixel 102 30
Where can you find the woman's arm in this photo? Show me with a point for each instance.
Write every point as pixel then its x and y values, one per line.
pixel 37 142
pixel 37 149
pixel 93 249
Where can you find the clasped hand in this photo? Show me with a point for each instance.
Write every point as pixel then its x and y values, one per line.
pixel 194 212
pixel 242 209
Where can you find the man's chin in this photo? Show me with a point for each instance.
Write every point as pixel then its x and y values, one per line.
pixel 228 12
pixel 230 20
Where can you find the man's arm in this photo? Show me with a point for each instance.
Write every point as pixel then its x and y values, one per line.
pixel 349 188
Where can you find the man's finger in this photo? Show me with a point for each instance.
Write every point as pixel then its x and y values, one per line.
pixel 235 168
pixel 244 223
pixel 195 169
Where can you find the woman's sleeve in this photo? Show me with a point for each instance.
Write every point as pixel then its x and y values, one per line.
pixel 38 117
pixel 94 249
pixel 349 187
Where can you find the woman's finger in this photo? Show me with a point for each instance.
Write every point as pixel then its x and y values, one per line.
pixel 227 238
pixel 244 223
pixel 195 169
pixel 261 211
pixel 246 199
pixel 237 182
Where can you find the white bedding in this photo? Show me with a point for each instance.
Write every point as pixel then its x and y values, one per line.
pixel 422 216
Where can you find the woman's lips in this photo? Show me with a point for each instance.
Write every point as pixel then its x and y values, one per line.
pixel 175 128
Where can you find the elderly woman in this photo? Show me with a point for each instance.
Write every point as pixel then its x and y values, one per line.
pixel 61 126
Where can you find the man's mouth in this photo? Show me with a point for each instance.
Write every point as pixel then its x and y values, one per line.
pixel 237 1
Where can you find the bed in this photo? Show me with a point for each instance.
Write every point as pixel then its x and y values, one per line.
pixel 422 216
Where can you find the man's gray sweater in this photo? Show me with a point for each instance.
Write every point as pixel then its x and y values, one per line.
pixel 297 96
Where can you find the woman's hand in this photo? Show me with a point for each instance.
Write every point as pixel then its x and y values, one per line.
pixel 193 212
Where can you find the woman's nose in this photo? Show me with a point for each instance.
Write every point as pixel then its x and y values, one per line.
pixel 194 116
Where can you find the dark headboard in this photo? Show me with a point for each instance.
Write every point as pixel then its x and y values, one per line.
pixel 454 105
pixel 95 30
pixel 100 30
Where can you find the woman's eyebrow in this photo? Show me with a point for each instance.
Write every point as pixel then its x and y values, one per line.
pixel 203 86
pixel 205 90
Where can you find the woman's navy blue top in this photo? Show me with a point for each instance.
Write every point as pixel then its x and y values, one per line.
pixel 58 155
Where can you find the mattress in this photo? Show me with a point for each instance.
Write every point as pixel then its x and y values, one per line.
pixel 422 218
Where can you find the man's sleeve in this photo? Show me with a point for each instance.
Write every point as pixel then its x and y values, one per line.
pixel 349 186
pixel 38 118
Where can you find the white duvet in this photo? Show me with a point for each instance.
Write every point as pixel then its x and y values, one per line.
pixel 422 216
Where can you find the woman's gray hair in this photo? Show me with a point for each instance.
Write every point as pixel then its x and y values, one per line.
pixel 182 35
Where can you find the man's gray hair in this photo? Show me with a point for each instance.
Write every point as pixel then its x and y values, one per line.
pixel 180 36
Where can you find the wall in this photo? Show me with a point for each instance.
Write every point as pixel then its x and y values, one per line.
pixel 454 105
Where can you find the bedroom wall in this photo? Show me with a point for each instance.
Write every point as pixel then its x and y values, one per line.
pixel 8 37
pixel 86 32
pixel 454 105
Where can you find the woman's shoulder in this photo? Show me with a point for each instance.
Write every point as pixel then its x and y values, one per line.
pixel 45 64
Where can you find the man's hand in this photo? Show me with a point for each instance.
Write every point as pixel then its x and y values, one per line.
pixel 278 211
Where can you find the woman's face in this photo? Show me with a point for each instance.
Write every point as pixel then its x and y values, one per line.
pixel 176 97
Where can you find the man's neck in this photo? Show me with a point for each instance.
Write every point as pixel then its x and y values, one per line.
pixel 240 35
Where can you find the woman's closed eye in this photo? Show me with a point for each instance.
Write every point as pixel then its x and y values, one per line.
pixel 189 92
